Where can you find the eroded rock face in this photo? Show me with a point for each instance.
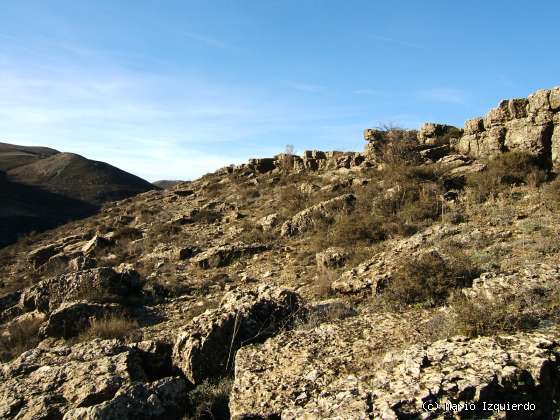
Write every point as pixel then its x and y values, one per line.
pixel 207 345
pixel 223 255
pixel 51 380
pixel 324 211
pixel 528 125
pixel 330 372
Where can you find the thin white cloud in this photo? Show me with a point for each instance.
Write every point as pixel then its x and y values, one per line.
pixel 445 95
pixel 204 39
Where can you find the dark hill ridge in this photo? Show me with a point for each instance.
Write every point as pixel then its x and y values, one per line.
pixel 42 188
pixel 74 176
pixel 13 156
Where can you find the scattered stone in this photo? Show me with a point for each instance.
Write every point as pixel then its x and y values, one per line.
pixel 333 257
pixel 268 223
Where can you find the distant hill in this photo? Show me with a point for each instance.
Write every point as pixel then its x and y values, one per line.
pixel 13 156
pixel 164 183
pixel 41 188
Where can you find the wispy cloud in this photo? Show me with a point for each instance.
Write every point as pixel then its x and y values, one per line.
pixel 445 95
pixel 307 87
pixel 394 41
pixel 207 40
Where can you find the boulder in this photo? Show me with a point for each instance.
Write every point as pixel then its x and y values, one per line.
pixel 206 347
pixel 528 125
pixel 366 367
pixel 96 243
pixel 322 212
pixel 161 399
pixel 41 255
pixel 223 255
pixel 71 318
pixel 187 252
pixel 268 223
pixel 91 284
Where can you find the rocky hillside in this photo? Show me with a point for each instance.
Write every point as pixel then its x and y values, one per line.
pixel 418 279
pixel 42 188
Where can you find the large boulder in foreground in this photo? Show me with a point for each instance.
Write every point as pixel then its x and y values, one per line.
pixel 362 369
pixel 82 381
pixel 207 345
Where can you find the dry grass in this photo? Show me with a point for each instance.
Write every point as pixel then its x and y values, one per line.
pixel 111 327
pixel 22 336
pixel 504 171
pixel 505 313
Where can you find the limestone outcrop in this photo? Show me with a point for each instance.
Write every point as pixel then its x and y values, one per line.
pixel 531 125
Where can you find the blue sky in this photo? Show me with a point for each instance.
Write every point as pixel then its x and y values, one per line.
pixel 176 88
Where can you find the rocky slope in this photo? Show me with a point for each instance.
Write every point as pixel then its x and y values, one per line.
pixel 419 279
pixel 43 188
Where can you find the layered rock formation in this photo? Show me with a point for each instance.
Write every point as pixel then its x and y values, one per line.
pixel 530 125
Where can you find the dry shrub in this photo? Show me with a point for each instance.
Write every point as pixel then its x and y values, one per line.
pixel 110 327
pixel 209 400
pixel 22 336
pixel 399 146
pixel 292 200
pixel 504 171
pixel 428 279
pixel 504 313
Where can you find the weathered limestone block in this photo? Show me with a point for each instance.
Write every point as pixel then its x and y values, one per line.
pixel 524 136
pixel 223 255
pixel 207 345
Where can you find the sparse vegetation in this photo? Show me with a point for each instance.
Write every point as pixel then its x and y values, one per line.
pixel 505 312
pixel 504 171
pixel 21 336
pixel 429 279
pixel 209 400
pixel 110 327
